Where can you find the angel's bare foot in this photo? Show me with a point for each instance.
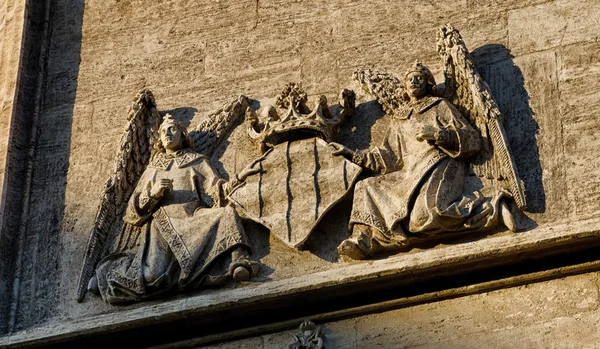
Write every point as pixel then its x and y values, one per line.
pixel 93 286
pixel 507 217
pixel 241 274
pixel 366 242
pixel 351 248
pixel 242 268
pixel 359 245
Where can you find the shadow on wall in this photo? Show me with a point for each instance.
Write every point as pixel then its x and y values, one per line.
pixel 507 85
pixel 355 133
pixel 51 54
pixel 183 114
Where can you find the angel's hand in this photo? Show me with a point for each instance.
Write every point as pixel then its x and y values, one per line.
pixel 340 149
pixel 160 188
pixel 426 133
pixel 246 172
pixel 251 168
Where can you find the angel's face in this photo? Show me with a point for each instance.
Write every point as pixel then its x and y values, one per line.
pixel 416 85
pixel 171 137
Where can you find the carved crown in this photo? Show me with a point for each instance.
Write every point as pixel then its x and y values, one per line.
pixel 291 119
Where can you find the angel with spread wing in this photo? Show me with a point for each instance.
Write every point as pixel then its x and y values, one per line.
pixel 173 229
pixel 423 160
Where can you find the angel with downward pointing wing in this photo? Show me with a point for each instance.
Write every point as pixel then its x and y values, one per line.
pixel 174 229
pixel 423 159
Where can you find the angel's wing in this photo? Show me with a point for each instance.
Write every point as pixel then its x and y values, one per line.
pixel 386 88
pixel 109 233
pixel 215 126
pixel 472 96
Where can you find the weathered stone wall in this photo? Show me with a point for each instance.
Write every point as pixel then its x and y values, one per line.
pixel 11 27
pixel 20 73
pixel 541 59
pixel 560 313
pixel 11 24
pixel 38 161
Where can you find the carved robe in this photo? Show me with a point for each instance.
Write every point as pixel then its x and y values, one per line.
pixel 421 186
pixel 185 232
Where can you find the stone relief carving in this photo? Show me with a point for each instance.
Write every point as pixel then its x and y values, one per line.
pixel 164 222
pixel 419 191
pixel 299 179
pixel 310 337
pixel 167 221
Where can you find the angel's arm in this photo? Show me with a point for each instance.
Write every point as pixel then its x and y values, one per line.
pixel 212 189
pixel 455 135
pixel 384 159
pixel 141 204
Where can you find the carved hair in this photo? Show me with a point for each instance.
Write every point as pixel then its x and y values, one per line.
pixel 169 120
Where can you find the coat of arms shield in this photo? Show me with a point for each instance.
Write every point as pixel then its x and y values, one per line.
pixel 298 183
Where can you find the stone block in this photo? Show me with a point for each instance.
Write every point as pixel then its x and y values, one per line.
pixel 577 332
pixel 552 24
pixel 579 70
pixel 486 35
pixel 487 319
pixel 361 43
pixel 541 81
pixel 480 6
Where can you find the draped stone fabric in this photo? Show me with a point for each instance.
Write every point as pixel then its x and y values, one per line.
pixel 185 232
pixel 421 186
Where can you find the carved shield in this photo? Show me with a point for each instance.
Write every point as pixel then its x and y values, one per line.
pixel 298 183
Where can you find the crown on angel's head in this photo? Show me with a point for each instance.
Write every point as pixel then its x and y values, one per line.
pixel 418 67
pixel 169 120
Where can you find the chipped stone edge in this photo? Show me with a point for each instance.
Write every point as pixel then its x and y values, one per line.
pixel 467 256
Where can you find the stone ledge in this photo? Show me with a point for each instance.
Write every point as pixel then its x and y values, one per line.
pixel 343 280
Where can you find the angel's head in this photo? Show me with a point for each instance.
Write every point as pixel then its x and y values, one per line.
pixel 173 136
pixel 419 81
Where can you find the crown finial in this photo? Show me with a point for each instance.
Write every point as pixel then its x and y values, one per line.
pixel 295 119
pixel 418 67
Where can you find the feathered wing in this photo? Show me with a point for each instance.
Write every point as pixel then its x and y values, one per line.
pixel 386 88
pixel 207 135
pixel 472 96
pixel 109 233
